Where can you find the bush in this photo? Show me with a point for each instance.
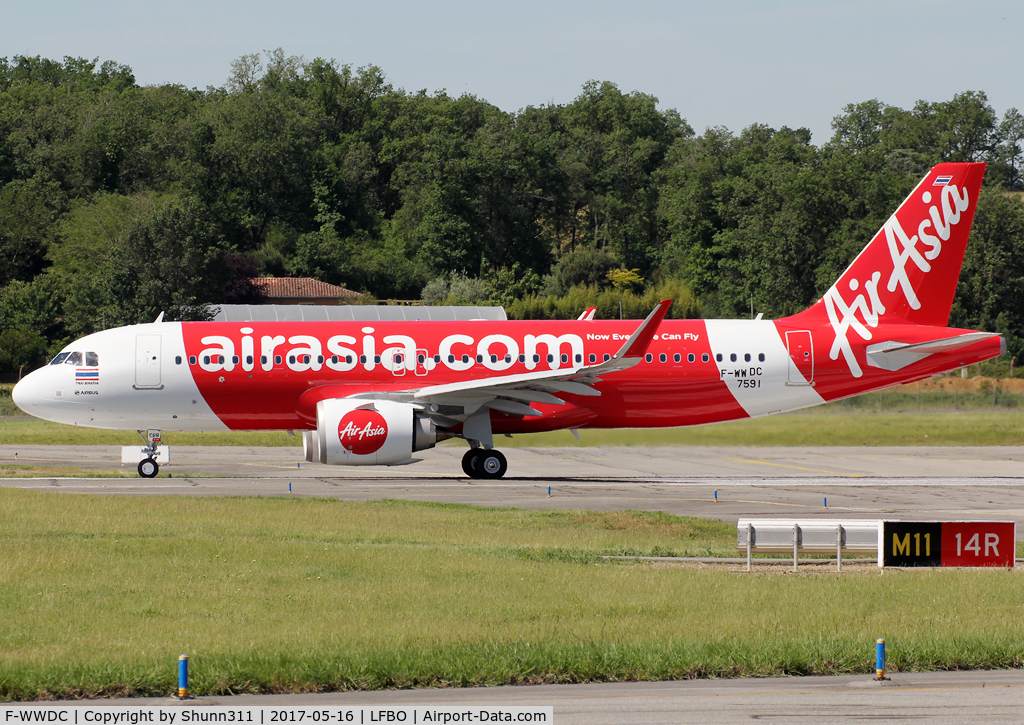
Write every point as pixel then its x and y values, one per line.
pixel 459 290
pixel 582 268
pixel 634 306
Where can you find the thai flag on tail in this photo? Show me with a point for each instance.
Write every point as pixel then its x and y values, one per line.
pixel 942 180
pixel 87 374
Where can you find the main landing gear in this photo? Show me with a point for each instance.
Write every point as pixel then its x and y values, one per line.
pixel 148 467
pixel 481 463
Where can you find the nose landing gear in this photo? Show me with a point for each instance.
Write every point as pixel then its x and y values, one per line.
pixel 148 467
pixel 481 463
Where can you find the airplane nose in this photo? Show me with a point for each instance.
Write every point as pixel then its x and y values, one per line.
pixel 26 394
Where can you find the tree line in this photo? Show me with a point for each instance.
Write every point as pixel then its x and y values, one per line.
pixel 119 201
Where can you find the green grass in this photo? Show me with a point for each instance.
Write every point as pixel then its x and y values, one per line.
pixel 99 596
pixel 906 400
pixel 807 429
pixel 33 471
pixel 7 406
pixel 32 431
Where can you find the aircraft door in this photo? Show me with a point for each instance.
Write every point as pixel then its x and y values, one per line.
pixel 147 362
pixel 421 361
pixel 398 362
pixel 801 357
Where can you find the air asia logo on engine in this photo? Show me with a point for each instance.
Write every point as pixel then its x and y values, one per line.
pixel 362 431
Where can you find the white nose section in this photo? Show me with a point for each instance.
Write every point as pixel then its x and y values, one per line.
pixel 27 394
pixel 21 395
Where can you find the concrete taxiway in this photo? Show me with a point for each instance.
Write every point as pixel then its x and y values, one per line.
pixel 931 483
pixel 938 697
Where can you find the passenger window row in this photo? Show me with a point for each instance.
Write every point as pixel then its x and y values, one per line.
pixel 733 357
pixel 677 357
pixel 399 359
pixel 278 359
pixel 71 359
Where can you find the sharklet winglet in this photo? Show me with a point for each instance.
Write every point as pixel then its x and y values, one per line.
pixel 640 340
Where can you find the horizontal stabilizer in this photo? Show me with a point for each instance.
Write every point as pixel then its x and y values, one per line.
pixel 893 355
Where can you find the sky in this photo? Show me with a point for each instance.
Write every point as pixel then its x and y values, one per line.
pixel 728 63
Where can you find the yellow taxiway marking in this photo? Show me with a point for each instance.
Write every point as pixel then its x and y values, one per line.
pixel 799 468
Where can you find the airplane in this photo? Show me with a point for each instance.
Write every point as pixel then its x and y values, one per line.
pixel 377 392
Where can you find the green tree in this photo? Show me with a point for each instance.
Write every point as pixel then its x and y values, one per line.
pixel 438 156
pixel 36 306
pixel 1006 162
pixel 251 158
pixel 20 349
pixel 992 278
pixel 25 232
pixel 964 128
pixel 171 262
pixel 747 217
pixel 87 232
pixel 616 142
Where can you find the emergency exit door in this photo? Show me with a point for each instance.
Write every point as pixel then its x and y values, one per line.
pixel 147 362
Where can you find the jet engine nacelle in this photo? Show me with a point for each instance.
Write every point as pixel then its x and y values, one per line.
pixel 367 433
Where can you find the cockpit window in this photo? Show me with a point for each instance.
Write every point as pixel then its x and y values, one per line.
pixel 92 359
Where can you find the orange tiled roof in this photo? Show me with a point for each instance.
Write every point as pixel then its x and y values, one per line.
pixel 299 287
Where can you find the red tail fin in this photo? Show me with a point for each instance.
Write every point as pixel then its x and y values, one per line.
pixel 911 267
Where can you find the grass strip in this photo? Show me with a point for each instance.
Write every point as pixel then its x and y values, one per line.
pixel 808 429
pixel 99 595
pixel 32 431
pixel 18 471
pixel 502 663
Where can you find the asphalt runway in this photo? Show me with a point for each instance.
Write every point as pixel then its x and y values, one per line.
pixel 909 482
pixel 937 697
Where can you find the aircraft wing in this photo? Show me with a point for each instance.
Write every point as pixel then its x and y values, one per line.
pixel 512 393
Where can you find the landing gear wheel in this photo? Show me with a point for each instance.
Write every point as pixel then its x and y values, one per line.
pixel 471 464
pixel 491 464
pixel 148 468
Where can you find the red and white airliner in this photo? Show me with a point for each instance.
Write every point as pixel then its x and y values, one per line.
pixel 376 392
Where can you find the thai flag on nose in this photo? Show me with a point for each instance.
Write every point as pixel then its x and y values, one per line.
pixel 942 180
pixel 83 374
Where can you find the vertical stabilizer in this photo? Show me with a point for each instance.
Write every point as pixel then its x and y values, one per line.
pixel 910 268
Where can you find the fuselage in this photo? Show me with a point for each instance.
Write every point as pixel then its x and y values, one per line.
pixel 204 376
